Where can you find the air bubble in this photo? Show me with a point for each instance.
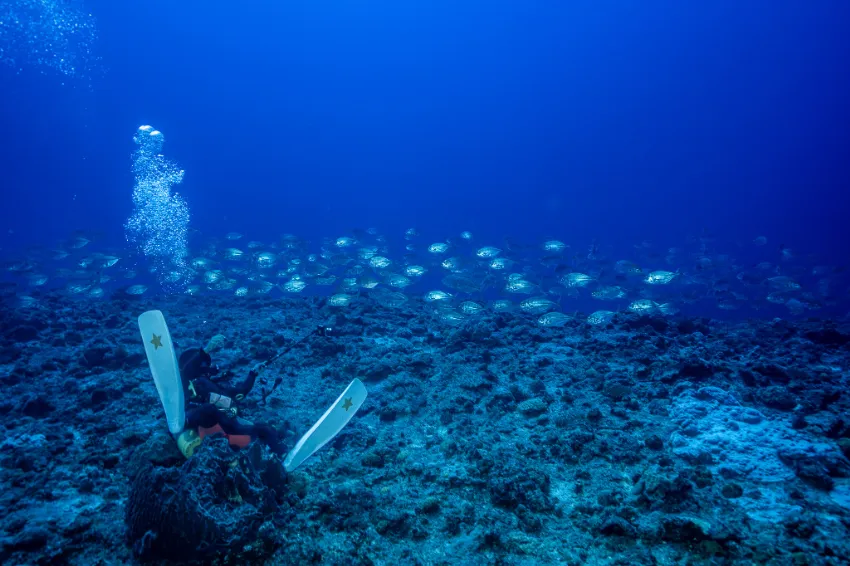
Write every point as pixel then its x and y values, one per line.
pixel 61 29
pixel 159 226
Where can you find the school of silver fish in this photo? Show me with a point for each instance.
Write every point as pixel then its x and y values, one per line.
pixel 457 278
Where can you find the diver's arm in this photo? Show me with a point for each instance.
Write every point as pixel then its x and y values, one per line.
pixel 203 387
pixel 246 386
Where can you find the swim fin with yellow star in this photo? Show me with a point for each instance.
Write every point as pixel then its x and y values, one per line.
pixel 163 363
pixel 333 421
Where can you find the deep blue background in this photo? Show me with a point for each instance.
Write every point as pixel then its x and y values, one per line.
pixel 621 121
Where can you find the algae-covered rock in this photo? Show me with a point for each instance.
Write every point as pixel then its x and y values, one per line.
pixel 531 407
pixel 216 343
pixel 219 506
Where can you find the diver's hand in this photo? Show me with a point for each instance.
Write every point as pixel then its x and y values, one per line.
pixel 213 370
pixel 253 374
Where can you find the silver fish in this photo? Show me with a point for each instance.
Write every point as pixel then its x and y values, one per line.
pixel 660 277
pixel 470 307
pixel 600 317
pixel 537 305
pixel 437 296
pixel 553 319
pixel 488 252
pixel 340 300
pixel 576 280
pixel 136 289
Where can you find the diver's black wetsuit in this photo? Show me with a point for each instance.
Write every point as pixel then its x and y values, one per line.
pixel 201 388
pixel 195 367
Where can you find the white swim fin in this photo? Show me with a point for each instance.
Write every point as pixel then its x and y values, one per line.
pixel 163 363
pixel 334 419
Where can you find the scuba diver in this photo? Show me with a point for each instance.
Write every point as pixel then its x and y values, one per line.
pixel 196 406
pixel 211 406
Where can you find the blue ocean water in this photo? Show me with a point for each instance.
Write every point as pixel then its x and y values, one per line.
pixel 577 120
pixel 705 142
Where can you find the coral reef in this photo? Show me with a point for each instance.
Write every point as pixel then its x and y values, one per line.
pixel 647 441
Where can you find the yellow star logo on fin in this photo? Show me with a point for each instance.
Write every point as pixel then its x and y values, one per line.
pixel 347 404
pixel 156 341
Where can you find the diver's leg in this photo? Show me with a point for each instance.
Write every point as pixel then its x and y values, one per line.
pixel 205 415
pixel 268 434
pixel 262 431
